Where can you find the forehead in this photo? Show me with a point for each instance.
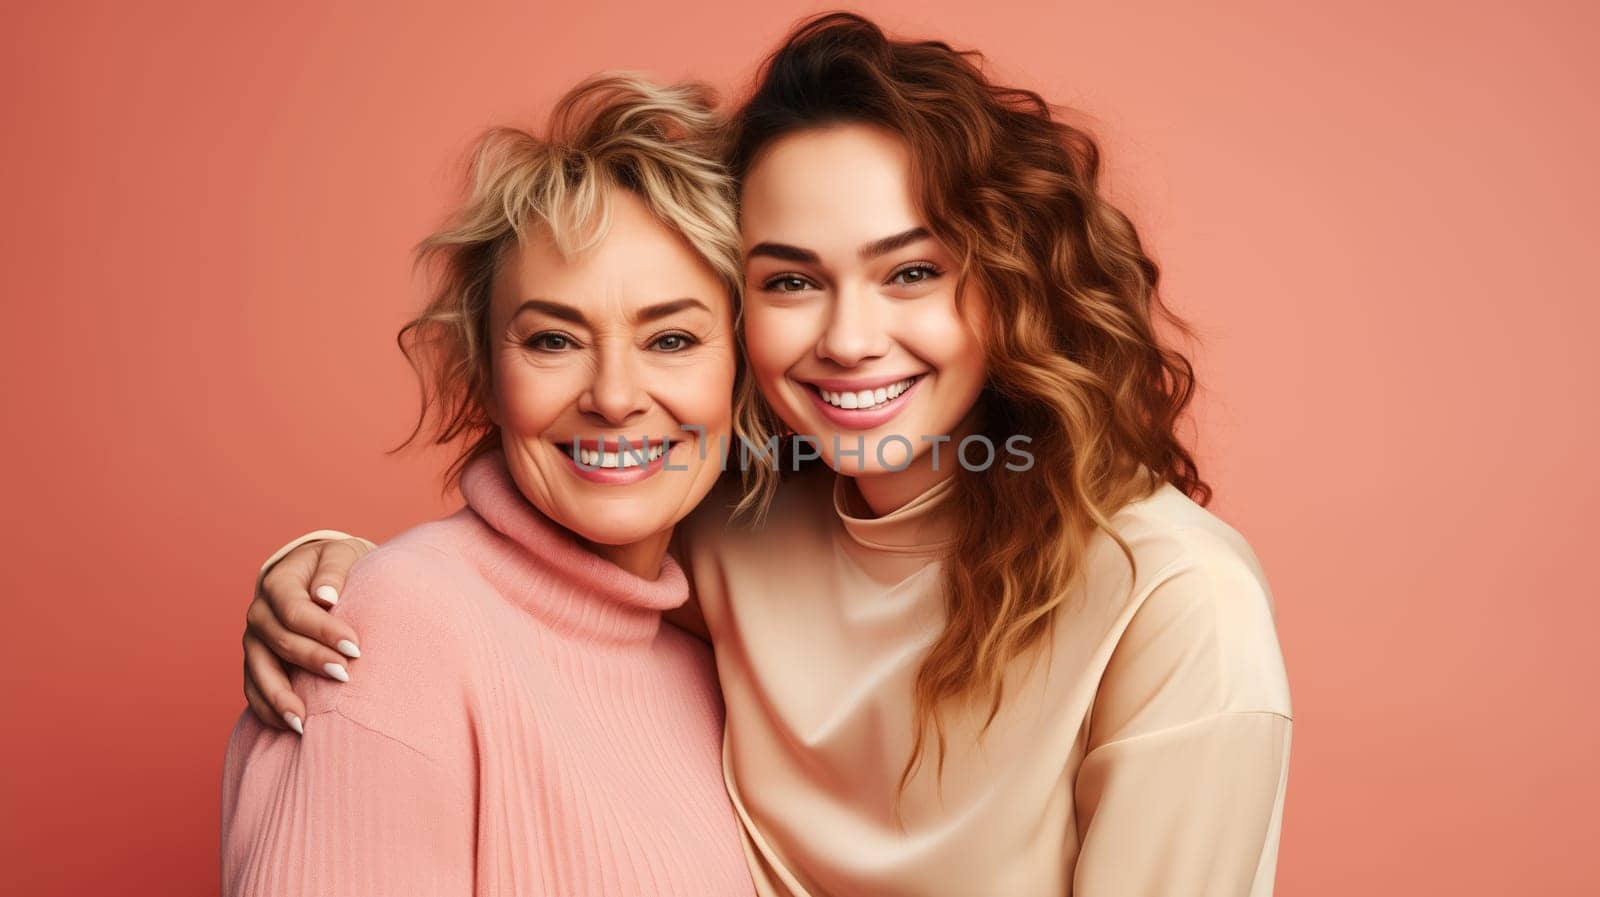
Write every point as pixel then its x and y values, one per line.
pixel 842 184
pixel 641 260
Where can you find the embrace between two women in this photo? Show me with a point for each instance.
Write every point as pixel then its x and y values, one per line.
pixel 921 679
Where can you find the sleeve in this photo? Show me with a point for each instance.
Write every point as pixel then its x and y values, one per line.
pixel 344 811
pixel 1181 791
pixel 378 797
pixel 1190 811
pixel 318 535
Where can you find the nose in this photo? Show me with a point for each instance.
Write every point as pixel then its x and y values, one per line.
pixel 617 393
pixel 855 330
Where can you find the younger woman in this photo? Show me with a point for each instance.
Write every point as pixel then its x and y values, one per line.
pixel 994 644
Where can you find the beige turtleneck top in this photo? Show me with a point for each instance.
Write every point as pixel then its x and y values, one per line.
pixel 1142 751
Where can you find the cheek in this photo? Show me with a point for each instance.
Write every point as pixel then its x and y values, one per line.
pixel 967 355
pixel 701 394
pixel 777 339
pixel 530 399
pixel 945 340
pixel 957 352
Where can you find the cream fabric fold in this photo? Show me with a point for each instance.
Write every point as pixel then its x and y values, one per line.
pixel 1142 750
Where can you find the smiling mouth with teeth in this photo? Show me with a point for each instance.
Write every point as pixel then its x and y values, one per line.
pixel 865 398
pixel 635 455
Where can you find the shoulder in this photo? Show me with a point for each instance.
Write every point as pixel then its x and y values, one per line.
pixel 422 576
pixel 1199 635
pixel 802 499
pixel 1181 548
pixel 724 553
pixel 415 603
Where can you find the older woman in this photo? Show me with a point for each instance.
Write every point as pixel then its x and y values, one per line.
pixel 530 725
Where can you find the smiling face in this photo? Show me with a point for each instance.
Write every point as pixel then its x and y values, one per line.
pixel 852 325
pixel 630 339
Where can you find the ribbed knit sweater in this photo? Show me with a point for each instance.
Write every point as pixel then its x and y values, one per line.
pixel 520 722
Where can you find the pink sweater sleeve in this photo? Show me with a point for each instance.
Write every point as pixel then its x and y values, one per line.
pixel 377 797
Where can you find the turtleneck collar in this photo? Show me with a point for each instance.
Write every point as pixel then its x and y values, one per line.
pixel 921 526
pixel 544 568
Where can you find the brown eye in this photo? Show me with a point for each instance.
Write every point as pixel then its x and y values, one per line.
pixel 786 283
pixel 913 275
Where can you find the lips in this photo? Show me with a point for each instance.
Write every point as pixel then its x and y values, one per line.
pixel 616 461
pixel 862 404
pixel 864 398
pixel 613 444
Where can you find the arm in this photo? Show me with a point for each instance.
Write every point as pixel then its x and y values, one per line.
pixel 287 623
pixel 1190 810
pixel 1182 789
pixel 326 589
pixel 283 623
pixel 376 797
pixel 343 810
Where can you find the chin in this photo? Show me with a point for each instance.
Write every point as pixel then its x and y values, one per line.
pixel 901 449
pixel 609 519
pixel 629 531
pixel 872 469
pixel 851 466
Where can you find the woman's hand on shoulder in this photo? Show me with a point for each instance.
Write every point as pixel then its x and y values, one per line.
pixel 288 623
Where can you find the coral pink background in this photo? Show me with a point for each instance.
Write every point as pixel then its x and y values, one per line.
pixel 1381 216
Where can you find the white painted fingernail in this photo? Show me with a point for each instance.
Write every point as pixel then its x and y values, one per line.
pixel 328 594
pixel 348 648
pixel 294 723
pixel 336 671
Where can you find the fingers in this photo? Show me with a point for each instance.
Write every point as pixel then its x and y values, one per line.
pixel 324 630
pixel 267 689
pixel 259 707
pixel 284 624
pixel 286 605
pixel 290 646
pixel 333 568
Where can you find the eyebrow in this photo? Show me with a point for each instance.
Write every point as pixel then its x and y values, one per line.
pixel 890 244
pixel 787 253
pixel 668 309
pixel 647 314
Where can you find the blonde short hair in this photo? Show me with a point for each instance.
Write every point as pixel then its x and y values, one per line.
pixel 613 131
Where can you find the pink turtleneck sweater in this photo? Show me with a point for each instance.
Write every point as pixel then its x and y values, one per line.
pixel 520 722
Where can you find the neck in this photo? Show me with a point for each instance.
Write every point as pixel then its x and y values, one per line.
pixel 642 558
pixel 889 491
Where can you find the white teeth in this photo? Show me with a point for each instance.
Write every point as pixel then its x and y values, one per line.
pixel 866 398
pixel 635 456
